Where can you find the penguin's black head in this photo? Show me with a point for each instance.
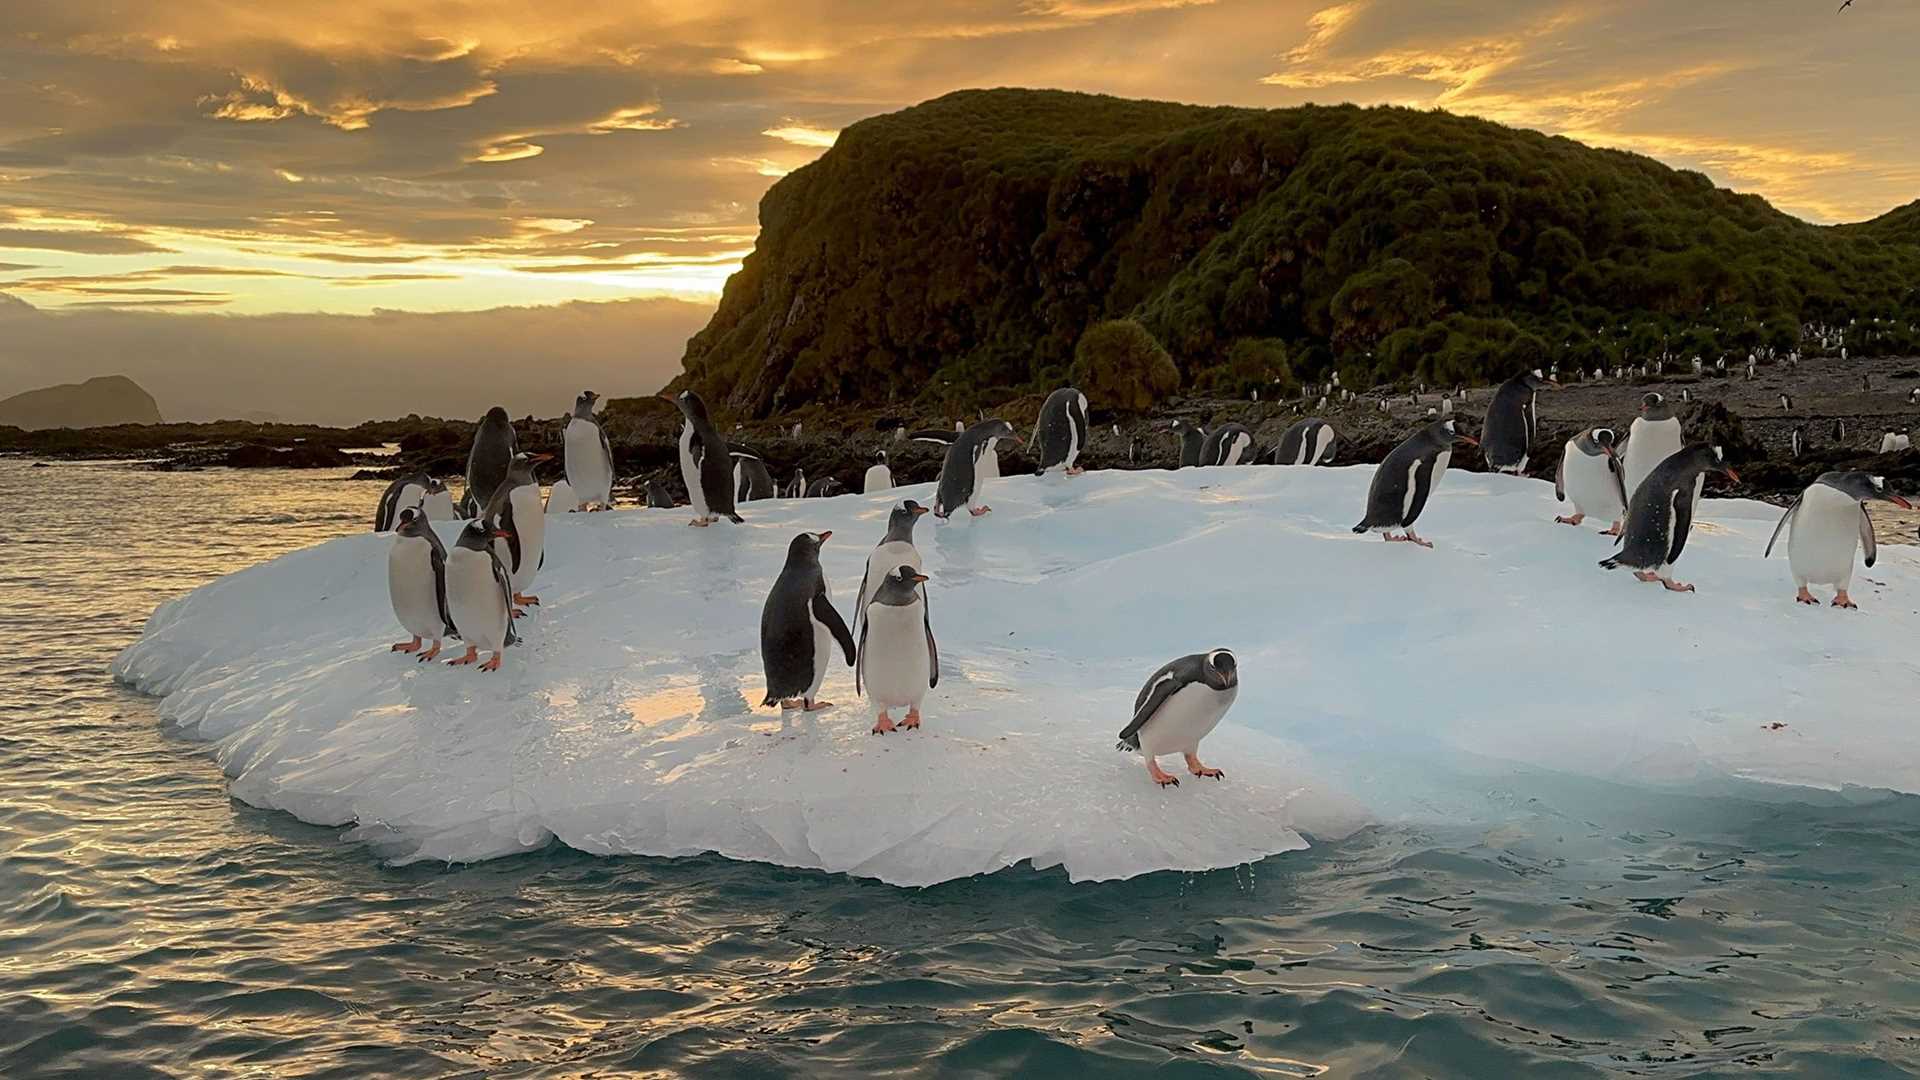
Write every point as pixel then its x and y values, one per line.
pixel 1650 400
pixel 435 485
pixel 1224 667
pixel 496 415
pixel 1603 437
pixel 410 523
pixel 807 545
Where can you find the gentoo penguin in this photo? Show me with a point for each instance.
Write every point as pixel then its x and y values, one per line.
pixel 1651 438
pixel 1913 396
pixel 798 629
pixel 1839 430
pixel 561 499
pixel 1660 514
pixel 986 464
pixel 1686 394
pixel 493 448
pixel 705 464
pixel 1308 442
pixel 797 487
pixel 407 492
pixel 1829 521
pixel 658 497
pixel 1799 440
pixel 894 551
pixel 796 429
pixel 417 584
pixel 826 488
pixel 1590 475
pixel 480 594
pixel 1446 406
pixel 1228 444
pixel 518 511
pixel 1193 442
pixel 751 480
pixel 439 504
pixel 1180 704
pixel 1507 437
pixel 899 661
pixel 1886 443
pixel 879 477
pixel 1786 403
pixel 1902 441
pixel 960 485
pixel 1406 478
pixel 589 456
pixel 1060 433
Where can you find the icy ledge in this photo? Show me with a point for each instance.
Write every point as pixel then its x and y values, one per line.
pixel 624 724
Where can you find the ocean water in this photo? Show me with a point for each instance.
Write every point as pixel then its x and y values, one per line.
pixel 150 925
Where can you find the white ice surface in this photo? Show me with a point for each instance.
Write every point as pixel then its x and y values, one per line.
pixel 624 725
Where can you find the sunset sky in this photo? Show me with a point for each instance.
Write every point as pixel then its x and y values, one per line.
pixel 206 156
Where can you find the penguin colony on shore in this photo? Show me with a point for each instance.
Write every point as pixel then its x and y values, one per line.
pixel 1645 484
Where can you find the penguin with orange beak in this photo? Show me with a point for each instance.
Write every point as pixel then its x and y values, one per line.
pixel 1661 514
pixel 1406 479
pixel 961 481
pixel 1826 525
pixel 799 627
pixel 522 516
pixel 480 594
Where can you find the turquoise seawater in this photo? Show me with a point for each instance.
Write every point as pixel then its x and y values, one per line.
pixel 150 925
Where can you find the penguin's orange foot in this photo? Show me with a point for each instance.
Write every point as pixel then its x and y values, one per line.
pixel 1675 586
pixel 1076 470
pixel 912 722
pixel 1806 597
pixel 1841 600
pixel 530 601
pixel 1646 575
pixel 883 726
pixel 492 665
pixel 406 646
pixel 976 511
pixel 1197 769
pixel 472 654
pixel 816 706
pixel 1161 776
pixel 1412 539
pixel 790 703
pixel 430 653
pixel 1574 520
pixel 699 523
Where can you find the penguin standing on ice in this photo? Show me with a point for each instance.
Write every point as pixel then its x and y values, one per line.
pixel 417 584
pixel 1060 433
pixel 480 594
pixel 1827 523
pixel 1660 515
pixel 1193 442
pixel 439 502
pixel 1406 478
pixel 658 497
pixel 1507 437
pixel 826 488
pixel 1308 442
pixel 493 449
pixel 517 508
pixel 561 499
pixel 1653 436
pixel 960 485
pixel 894 551
pixel 879 477
pixel 1180 704
pixel 589 461
pixel 705 464
pixel 898 658
pixel 1229 444
pixel 751 480
pixel 407 492
pixel 799 627
pixel 1590 475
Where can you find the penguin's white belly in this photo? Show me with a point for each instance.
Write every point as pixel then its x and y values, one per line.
pixel 987 469
pixel 473 599
pixel 562 499
pixel 1886 444
pixel 1184 719
pixel 1237 449
pixel 823 648
pixel 1824 537
pixel 440 507
pixel 588 470
pixel 896 666
pixel 1073 436
pixel 530 518
pixel 1902 442
pixel 690 472
pixel 1590 485
pixel 1649 444
pixel 416 601
pixel 879 478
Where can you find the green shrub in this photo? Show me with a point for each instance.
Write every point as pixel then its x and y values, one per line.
pixel 1118 365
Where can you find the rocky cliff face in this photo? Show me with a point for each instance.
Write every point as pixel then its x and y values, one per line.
pixel 101 402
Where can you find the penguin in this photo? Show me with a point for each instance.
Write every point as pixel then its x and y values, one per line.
pixel 1507 437
pixel 1686 394
pixel 518 511
pixel 1181 704
pixel 1913 396
pixel 986 465
pixel 480 594
pixel 1193 442
pixel 1446 406
pixel 494 444
pixel 561 498
pixel 1902 441
pixel 1590 475
pixel 408 492
pixel 894 551
pixel 1060 432
pixel 1406 478
pixel 1229 444
pixel 1308 442
pixel 826 488
pixel 658 497
pixel 751 480
pixel 1799 442
pixel 1651 438
pixel 1660 514
pixel 879 477
pixel 1886 443
pixel 960 485
pixel 439 505
pixel 705 464
pixel 1786 403
pixel 799 627
pixel 417 584
pixel 589 462
pixel 898 659
pixel 1828 521
pixel 797 487
pixel 796 429
pixel 959 426
pixel 1839 430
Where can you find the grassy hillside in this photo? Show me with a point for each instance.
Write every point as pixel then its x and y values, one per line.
pixel 953 253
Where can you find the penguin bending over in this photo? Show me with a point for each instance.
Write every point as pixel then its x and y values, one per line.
pixel 879 477
pixel 961 484
pixel 1826 524
pixel 589 461
pixel 407 492
pixel 894 551
pixel 494 444
pixel 417 584
pixel 826 488
pixel 751 480
pixel 1653 437
pixel 1406 478
pixel 1590 475
pixel 480 594
pixel 898 658
pixel 799 627
pixel 1308 442
pixel 1507 437
pixel 1661 514
pixel 517 509
pixel 1228 444
pixel 705 464
pixel 1060 432
pixel 1193 443
pixel 1180 704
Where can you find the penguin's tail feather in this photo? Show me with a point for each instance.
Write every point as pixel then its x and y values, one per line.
pixel 771 699
pixel 1360 528
pixel 1612 563
pixel 1130 744
pixel 736 519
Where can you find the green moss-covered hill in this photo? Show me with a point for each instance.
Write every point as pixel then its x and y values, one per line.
pixel 954 252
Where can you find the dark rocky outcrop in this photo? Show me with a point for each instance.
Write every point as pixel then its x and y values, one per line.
pixel 101 402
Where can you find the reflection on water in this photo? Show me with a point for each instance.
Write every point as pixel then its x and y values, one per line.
pixel 147 922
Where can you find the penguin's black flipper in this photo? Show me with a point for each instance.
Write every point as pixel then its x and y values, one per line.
pixel 933 650
pixel 829 616
pixel 1560 479
pixel 1791 507
pixel 505 518
pixel 1866 535
pixel 505 581
pixel 860 664
pixel 1619 473
pixel 1164 687
pixel 438 557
